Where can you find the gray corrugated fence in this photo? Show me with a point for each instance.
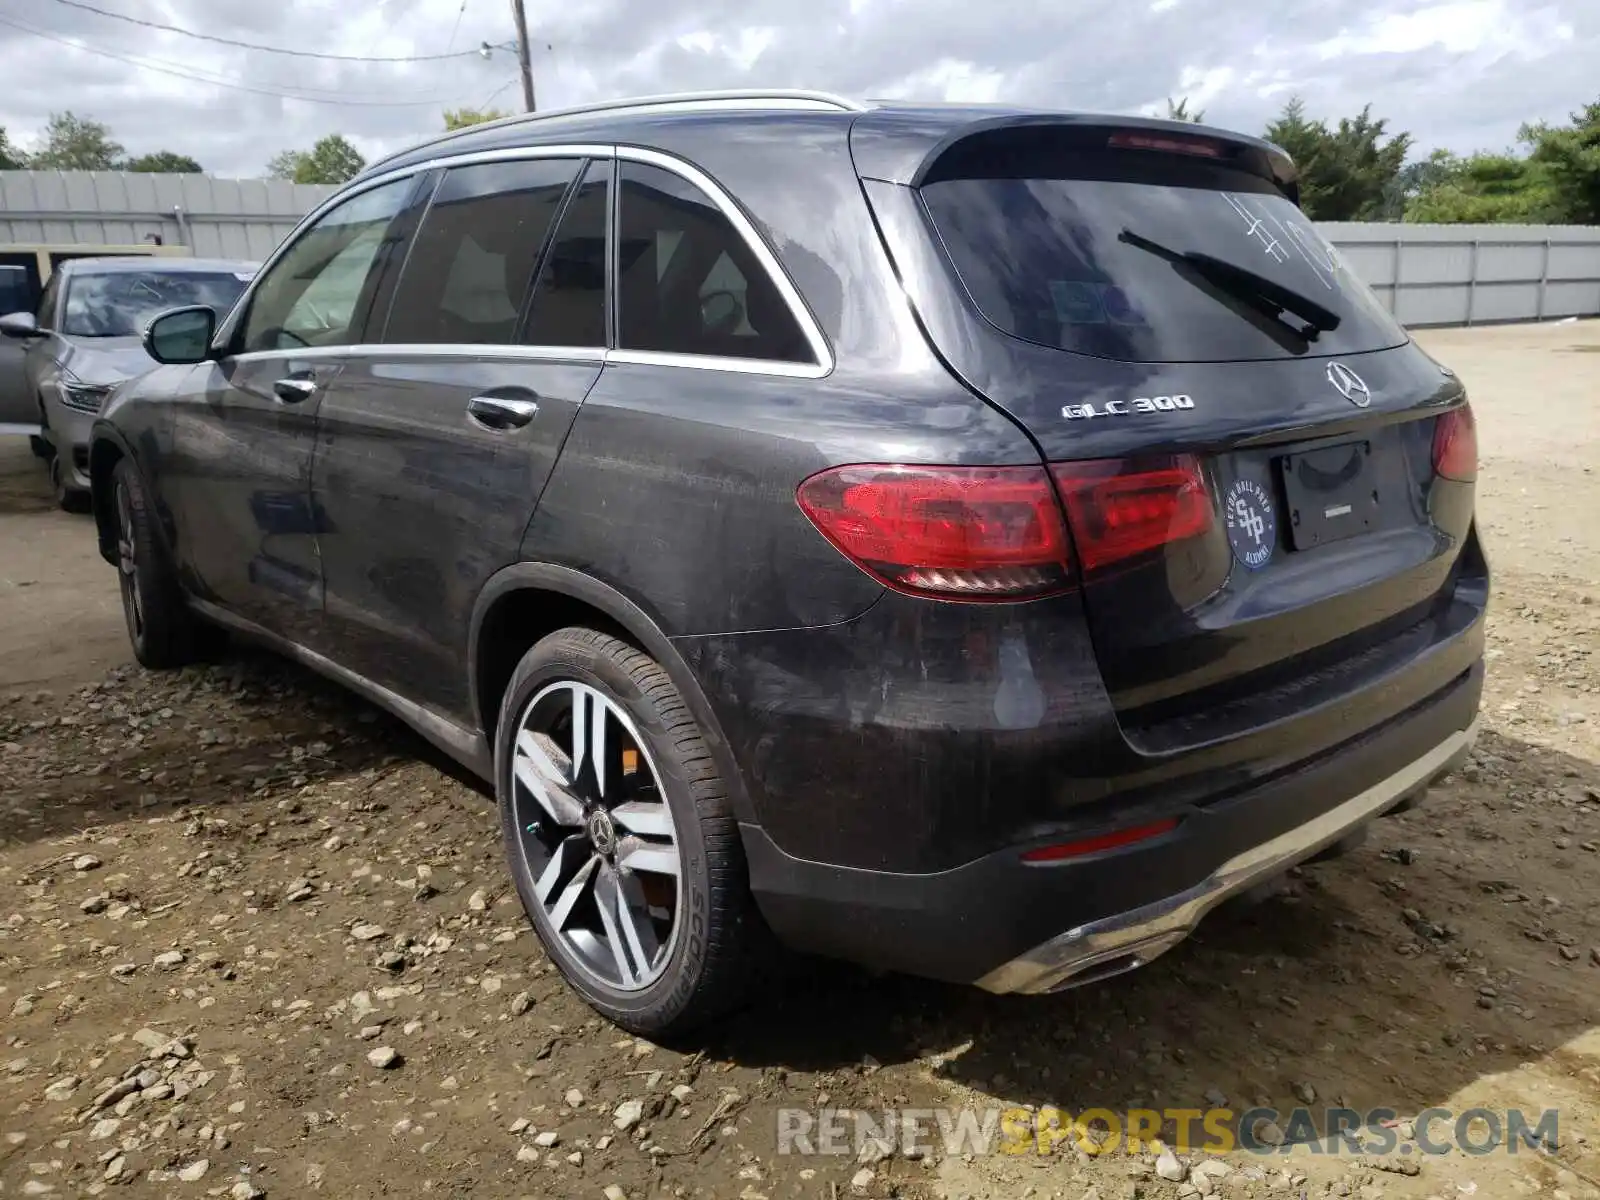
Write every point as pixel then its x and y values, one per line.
pixel 1475 274
pixel 1426 274
pixel 223 218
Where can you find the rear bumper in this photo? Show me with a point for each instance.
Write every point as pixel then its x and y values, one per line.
pixel 1010 926
pixel 1126 940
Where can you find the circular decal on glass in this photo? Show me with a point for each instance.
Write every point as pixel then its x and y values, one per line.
pixel 1252 527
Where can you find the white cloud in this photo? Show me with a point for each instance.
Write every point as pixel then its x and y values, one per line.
pixel 1460 27
pixel 1458 73
pixel 947 79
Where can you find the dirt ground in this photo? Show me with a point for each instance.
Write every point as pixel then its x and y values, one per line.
pixel 222 890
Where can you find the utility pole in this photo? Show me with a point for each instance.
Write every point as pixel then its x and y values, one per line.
pixel 523 59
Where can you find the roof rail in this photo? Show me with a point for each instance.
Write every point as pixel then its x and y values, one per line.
pixel 786 98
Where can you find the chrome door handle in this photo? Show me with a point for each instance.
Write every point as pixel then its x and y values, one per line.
pixel 501 412
pixel 293 391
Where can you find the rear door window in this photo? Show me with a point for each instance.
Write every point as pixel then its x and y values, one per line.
pixel 569 299
pixel 473 258
pixel 1146 257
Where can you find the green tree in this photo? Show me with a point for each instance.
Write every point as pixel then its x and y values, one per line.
pixel 332 160
pixel 1570 157
pixel 1347 173
pixel 11 159
pixel 164 162
pixel 461 118
pixel 74 143
pixel 1180 111
pixel 1481 189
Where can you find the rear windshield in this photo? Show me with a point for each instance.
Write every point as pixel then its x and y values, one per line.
pixel 1134 256
pixel 122 303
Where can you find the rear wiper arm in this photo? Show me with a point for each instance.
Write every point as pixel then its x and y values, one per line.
pixel 1244 284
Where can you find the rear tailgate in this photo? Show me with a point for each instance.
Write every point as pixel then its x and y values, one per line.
pixel 1145 310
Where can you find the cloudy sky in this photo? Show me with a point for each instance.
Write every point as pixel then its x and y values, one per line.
pixel 1458 73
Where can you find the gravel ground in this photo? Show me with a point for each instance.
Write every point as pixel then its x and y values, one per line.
pixel 255 938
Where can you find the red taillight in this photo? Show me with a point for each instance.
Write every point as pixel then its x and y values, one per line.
pixel 1455 445
pixel 1116 512
pixel 1106 841
pixel 963 533
pixel 1171 143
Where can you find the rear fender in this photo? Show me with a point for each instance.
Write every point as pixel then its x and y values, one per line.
pixel 645 632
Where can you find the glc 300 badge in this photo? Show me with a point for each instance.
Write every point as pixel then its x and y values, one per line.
pixel 1123 408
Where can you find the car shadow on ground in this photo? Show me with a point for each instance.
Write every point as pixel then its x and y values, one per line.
pixel 1393 978
pixel 249 725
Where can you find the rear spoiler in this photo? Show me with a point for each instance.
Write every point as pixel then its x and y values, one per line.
pixel 904 145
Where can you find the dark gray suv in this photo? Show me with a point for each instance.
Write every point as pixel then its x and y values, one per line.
pixel 972 541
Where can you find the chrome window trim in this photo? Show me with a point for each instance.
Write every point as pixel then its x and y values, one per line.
pixel 757 245
pixel 590 355
pixel 595 355
pixel 715 362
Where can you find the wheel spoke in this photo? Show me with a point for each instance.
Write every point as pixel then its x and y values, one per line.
pixel 644 818
pixel 615 917
pixel 633 914
pixel 568 855
pixel 650 857
pixel 589 713
pixel 577 888
pixel 535 770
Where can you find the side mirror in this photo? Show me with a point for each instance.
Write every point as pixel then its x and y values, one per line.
pixel 181 335
pixel 21 325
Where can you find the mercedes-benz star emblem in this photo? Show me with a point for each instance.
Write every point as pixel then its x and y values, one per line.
pixel 602 834
pixel 1350 385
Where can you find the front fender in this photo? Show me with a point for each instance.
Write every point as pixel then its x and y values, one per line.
pixel 109 444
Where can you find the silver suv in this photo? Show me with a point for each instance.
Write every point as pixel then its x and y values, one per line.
pixel 85 339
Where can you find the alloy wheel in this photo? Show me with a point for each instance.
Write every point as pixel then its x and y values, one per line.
pixel 596 835
pixel 127 563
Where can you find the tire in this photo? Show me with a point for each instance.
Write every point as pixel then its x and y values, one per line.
pixel 40 447
pixel 164 632
pixel 703 967
pixel 68 498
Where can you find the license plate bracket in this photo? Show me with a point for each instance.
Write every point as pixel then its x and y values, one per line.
pixel 1331 493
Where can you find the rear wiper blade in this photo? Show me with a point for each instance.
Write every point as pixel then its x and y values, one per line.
pixel 1267 294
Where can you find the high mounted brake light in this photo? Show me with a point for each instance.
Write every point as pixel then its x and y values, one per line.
pixel 1170 143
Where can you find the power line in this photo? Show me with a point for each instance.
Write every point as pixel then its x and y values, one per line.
pixel 222 41
pixel 239 87
pixel 495 95
pixel 456 28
